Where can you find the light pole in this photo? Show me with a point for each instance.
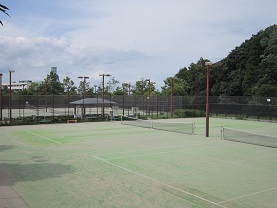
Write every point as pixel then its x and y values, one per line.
pixel 84 94
pixel 208 64
pixel 23 85
pixel 1 96
pixel 11 71
pixel 103 75
pixel 171 96
pixel 97 99
pixel 129 91
pixel 123 95
pixel 148 97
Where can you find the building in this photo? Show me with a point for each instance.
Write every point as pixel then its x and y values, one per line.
pixel 54 69
pixel 18 86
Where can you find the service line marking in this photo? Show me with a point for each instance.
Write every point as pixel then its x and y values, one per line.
pixel 43 137
pixel 188 146
pixel 255 193
pixel 230 162
pixel 157 181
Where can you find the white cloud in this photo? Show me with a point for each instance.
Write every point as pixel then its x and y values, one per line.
pixel 127 38
pixel 32 59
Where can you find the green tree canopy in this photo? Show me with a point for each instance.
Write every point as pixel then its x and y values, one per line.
pixel 68 86
pixel 111 86
pixel 249 70
pixel 141 87
pixel 81 89
pixel 52 84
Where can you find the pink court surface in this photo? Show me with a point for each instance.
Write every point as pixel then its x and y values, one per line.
pixel 107 164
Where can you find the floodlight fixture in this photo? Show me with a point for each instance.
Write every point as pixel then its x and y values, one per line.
pixel 208 64
pixel 103 79
pixel 148 97
pixel 10 104
pixel 84 93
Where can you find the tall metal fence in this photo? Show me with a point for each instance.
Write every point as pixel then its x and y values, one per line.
pixel 37 106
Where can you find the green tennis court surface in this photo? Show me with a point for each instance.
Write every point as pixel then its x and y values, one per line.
pixel 108 164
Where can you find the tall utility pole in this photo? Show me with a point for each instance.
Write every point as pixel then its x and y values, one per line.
pixel 208 64
pixel 171 95
pixel 84 95
pixel 1 97
pixel 11 71
pixel 96 92
pixel 148 97
pixel 103 79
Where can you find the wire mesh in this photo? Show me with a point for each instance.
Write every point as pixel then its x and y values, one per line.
pixel 248 137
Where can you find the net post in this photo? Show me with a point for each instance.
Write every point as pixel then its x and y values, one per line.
pixel 222 132
pixel 193 128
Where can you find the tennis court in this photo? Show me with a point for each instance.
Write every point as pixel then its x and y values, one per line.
pixel 107 164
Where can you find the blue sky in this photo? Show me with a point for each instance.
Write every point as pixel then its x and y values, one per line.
pixel 130 39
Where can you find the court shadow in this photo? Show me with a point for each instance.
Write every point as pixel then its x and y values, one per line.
pixel 14 173
pixel 38 159
pixel 6 147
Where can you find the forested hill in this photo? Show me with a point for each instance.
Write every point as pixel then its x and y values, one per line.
pixel 249 70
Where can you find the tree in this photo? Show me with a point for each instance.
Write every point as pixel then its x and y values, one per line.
pixel 180 87
pixel 68 86
pixel 52 84
pixel 80 89
pixel 141 87
pixel 34 89
pixel 89 90
pixel 111 86
pixel 195 77
pixel 4 10
pixel 5 90
pixel 123 90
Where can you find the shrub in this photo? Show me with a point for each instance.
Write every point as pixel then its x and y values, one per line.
pixel 188 113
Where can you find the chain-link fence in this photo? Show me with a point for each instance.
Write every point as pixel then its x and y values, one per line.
pixel 54 107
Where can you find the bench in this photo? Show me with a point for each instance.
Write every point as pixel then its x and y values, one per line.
pixel 116 118
pixel 71 121
pixel 162 116
pixel 44 121
pixel 92 117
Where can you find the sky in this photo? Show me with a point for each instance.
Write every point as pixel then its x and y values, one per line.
pixel 129 39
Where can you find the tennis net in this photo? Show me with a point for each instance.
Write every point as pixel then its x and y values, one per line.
pixel 179 127
pixel 247 137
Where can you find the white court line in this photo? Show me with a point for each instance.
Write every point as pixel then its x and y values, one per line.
pixel 115 158
pixel 247 195
pixel 130 151
pixel 256 158
pixel 43 137
pixel 169 147
pixel 230 162
pixel 164 184
pixel 157 153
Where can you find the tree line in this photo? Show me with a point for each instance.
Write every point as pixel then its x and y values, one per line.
pixel 248 70
pixel 53 86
